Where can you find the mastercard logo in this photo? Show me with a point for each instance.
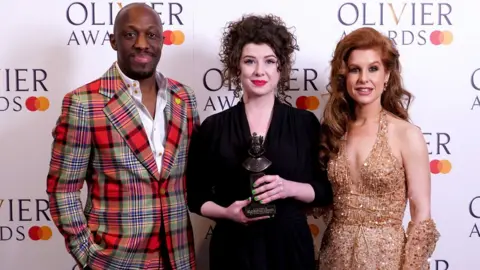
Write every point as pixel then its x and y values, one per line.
pixel 440 166
pixel 175 37
pixel 314 230
pixel 307 103
pixel 40 233
pixel 441 37
pixel 34 104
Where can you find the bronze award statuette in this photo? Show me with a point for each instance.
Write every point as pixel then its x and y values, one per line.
pixel 255 164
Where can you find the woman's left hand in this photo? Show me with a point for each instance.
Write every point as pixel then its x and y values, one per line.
pixel 271 187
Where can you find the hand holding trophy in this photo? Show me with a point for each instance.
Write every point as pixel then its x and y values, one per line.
pixel 256 164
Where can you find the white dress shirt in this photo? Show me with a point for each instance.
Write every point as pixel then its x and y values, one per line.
pixel 154 126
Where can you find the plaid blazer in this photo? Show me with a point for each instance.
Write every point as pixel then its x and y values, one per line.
pixel 99 139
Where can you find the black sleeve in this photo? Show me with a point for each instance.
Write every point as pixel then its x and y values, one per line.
pixel 320 183
pixel 198 183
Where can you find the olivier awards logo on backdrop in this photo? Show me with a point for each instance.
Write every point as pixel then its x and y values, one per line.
pixel 302 82
pixel 474 211
pixel 26 219
pixel 219 97
pixel 438 149
pixel 406 23
pixel 209 232
pixel 440 265
pixel 475 82
pixel 93 21
pixel 23 89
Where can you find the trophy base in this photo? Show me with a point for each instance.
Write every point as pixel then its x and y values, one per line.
pixel 254 210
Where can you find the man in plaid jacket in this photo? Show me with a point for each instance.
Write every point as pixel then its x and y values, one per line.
pixel 126 134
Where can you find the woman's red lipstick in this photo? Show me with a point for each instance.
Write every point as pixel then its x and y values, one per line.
pixel 259 82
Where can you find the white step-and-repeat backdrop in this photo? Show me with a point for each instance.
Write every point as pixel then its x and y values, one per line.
pixel 50 47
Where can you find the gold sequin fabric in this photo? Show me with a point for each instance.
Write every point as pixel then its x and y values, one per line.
pixel 366 229
pixel 421 242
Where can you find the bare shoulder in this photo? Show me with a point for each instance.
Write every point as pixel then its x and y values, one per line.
pixel 406 133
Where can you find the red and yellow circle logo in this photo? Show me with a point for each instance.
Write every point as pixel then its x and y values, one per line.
pixel 441 37
pixel 440 166
pixel 175 37
pixel 37 104
pixel 307 103
pixel 40 233
pixel 314 230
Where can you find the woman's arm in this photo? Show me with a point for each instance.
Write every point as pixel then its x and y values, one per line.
pixel 200 184
pixel 422 234
pixel 316 189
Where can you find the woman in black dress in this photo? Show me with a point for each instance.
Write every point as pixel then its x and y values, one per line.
pixel 257 56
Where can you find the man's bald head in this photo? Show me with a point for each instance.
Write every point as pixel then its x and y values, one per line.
pixel 135 9
pixel 138 39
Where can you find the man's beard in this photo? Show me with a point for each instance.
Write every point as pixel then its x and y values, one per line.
pixel 140 75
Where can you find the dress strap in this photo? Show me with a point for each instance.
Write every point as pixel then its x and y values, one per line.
pixel 383 123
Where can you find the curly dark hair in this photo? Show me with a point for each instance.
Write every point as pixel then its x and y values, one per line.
pixel 267 29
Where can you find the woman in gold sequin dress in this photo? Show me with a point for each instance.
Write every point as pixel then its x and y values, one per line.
pixel 376 162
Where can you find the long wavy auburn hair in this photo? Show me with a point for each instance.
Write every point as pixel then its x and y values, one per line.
pixel 340 108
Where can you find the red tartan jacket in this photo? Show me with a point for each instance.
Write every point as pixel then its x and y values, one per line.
pixel 99 139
